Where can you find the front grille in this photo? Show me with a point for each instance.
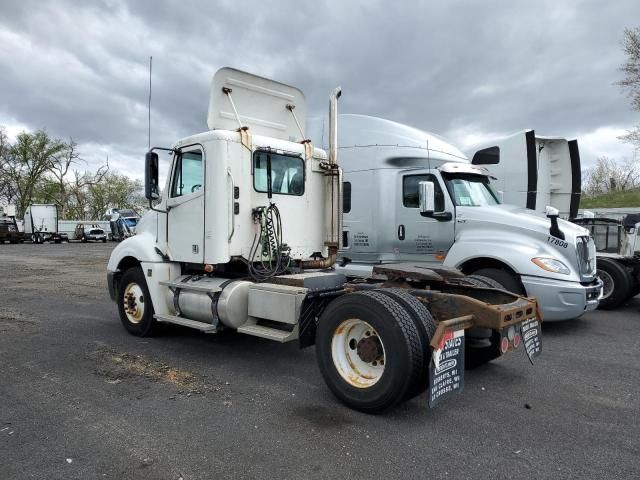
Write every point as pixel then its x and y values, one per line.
pixel 586 250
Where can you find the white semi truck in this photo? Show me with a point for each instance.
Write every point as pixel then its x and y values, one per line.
pixel 385 164
pixel 534 171
pixel 245 235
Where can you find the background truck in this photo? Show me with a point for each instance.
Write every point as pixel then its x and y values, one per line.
pixel 385 162
pixel 122 223
pixel 534 172
pixel 41 224
pixel 89 232
pixel 9 231
pixel 245 234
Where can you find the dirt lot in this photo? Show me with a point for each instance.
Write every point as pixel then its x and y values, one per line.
pixel 80 398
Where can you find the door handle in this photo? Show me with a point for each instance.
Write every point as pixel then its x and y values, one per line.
pixel 233 219
pixel 401 232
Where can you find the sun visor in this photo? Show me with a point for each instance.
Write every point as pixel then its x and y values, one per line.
pixel 261 105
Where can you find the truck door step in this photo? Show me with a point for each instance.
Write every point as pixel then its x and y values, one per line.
pixel 269 333
pixel 192 286
pixel 185 322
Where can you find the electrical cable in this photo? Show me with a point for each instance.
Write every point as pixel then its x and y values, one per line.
pixel 274 258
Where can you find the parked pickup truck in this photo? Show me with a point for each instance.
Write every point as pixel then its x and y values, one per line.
pixel 85 232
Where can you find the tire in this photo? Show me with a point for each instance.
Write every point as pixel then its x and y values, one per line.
pixel 617 283
pixel 134 304
pixel 104 240
pixel 483 281
pixel 482 345
pixel 84 239
pixel 362 383
pixel 426 326
pixel 506 280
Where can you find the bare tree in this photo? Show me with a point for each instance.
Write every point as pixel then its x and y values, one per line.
pixel 631 81
pixel 60 167
pixel 79 205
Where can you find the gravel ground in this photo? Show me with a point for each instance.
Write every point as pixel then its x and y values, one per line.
pixel 81 399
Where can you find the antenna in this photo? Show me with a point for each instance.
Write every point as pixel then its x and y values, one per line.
pixel 149 133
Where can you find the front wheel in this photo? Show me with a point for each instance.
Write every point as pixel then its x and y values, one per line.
pixel 369 350
pixel 134 303
pixel 616 283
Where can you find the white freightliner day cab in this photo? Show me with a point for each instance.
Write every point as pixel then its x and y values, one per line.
pixel 245 235
pixel 387 166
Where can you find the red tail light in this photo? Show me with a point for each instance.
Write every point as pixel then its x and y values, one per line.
pixel 516 340
pixel 504 345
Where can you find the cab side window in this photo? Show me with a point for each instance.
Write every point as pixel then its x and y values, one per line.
pixel 187 175
pixel 410 196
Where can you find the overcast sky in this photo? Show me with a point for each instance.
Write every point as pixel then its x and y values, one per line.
pixel 467 70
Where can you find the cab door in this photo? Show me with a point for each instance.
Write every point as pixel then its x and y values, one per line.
pixel 418 237
pixel 185 205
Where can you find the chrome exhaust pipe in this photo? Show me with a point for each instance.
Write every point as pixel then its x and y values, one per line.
pixel 333 196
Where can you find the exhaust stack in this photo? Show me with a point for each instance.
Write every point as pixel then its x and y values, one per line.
pixel 333 187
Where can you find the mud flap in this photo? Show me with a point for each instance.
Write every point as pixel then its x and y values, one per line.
pixel 532 338
pixel 446 368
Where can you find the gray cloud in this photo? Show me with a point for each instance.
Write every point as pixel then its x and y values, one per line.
pixel 463 69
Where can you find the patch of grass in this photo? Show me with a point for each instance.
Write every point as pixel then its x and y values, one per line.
pixel 628 198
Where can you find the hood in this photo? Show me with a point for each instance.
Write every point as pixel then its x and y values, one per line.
pixel 519 218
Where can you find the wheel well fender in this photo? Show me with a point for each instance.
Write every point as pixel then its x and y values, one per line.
pixel 474 264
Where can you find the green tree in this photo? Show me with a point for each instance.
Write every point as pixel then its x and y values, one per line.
pixel 114 190
pixel 631 81
pixel 26 164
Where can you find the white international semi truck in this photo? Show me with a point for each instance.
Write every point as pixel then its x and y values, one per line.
pixel 469 228
pixel 245 235
pixel 534 171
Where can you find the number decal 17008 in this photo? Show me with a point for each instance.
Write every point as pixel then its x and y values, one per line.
pixel 558 242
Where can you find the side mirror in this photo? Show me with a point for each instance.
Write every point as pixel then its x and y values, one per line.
pixel 487 156
pixel 427 197
pixel 500 196
pixel 151 190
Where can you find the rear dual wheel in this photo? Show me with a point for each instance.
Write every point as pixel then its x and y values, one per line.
pixel 371 349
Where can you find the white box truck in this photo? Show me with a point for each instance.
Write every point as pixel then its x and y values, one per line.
pixel 41 224
pixel 244 237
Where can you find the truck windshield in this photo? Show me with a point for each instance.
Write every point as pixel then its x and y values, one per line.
pixel 471 190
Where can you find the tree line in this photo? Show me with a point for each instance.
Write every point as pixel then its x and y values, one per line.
pixel 36 168
pixel 611 175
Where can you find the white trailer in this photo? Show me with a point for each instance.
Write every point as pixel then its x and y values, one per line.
pixel 41 224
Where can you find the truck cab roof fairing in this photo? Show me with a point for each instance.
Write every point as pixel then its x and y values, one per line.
pixel 390 140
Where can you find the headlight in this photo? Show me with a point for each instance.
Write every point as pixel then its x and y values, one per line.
pixel 551 265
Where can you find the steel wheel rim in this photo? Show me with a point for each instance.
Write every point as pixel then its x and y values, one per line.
pixel 607 283
pixel 358 353
pixel 134 303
